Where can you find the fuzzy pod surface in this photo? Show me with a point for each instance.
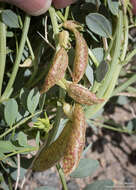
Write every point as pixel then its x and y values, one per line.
pixel 76 142
pixel 57 70
pixel 62 3
pixel 81 51
pixel 82 95
pixel 49 156
pixel 32 7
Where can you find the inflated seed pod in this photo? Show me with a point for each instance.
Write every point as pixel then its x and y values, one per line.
pixel 82 95
pixel 76 141
pixel 57 70
pixel 81 51
pixel 49 156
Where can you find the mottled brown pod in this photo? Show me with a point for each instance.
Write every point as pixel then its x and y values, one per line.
pixel 48 157
pixel 82 95
pixel 76 142
pixel 81 52
pixel 57 70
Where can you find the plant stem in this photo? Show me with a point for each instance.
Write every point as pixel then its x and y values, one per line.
pixel 20 123
pixel 67 12
pixel 62 177
pixel 107 87
pixel 61 95
pixel 59 109
pixel 122 87
pixel 18 57
pixel 2 52
pixel 129 57
pixel 19 152
pixel 54 23
pixel 110 127
pixel 115 57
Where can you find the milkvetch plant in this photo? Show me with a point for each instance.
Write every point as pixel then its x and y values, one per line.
pixel 75 72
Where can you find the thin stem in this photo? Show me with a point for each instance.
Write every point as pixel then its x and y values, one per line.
pixel 123 86
pixel 2 52
pixel 54 23
pixel 62 177
pixel 19 152
pixel 125 46
pixel 99 124
pixel 92 56
pixel 59 109
pixel 20 123
pixel 67 12
pixel 129 57
pixel 18 57
pixel 30 48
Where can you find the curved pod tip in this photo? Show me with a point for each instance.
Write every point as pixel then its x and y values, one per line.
pixel 32 7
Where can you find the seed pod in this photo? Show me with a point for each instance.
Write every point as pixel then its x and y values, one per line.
pixel 82 95
pixel 57 70
pixel 81 52
pixel 76 142
pixel 48 157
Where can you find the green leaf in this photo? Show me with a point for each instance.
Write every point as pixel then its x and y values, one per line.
pixel 99 24
pixel 122 100
pixel 38 138
pixel 21 176
pixel 113 6
pixel 45 188
pixel 10 18
pixel 98 53
pixel 7 146
pixel 131 126
pixel 89 74
pixel 1 155
pixel 101 71
pixel 11 111
pixel 42 101
pixel 33 100
pixel 100 185
pixel 85 168
pixel 22 139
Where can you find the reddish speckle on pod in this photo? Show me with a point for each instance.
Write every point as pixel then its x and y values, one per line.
pixel 57 70
pixel 76 142
pixel 62 3
pixel 32 7
pixel 82 95
pixel 81 51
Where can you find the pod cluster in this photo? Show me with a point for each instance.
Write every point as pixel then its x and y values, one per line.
pixel 69 145
pixel 60 63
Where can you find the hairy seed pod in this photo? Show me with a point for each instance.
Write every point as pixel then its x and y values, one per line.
pixel 81 52
pixel 49 156
pixel 82 95
pixel 76 142
pixel 57 70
